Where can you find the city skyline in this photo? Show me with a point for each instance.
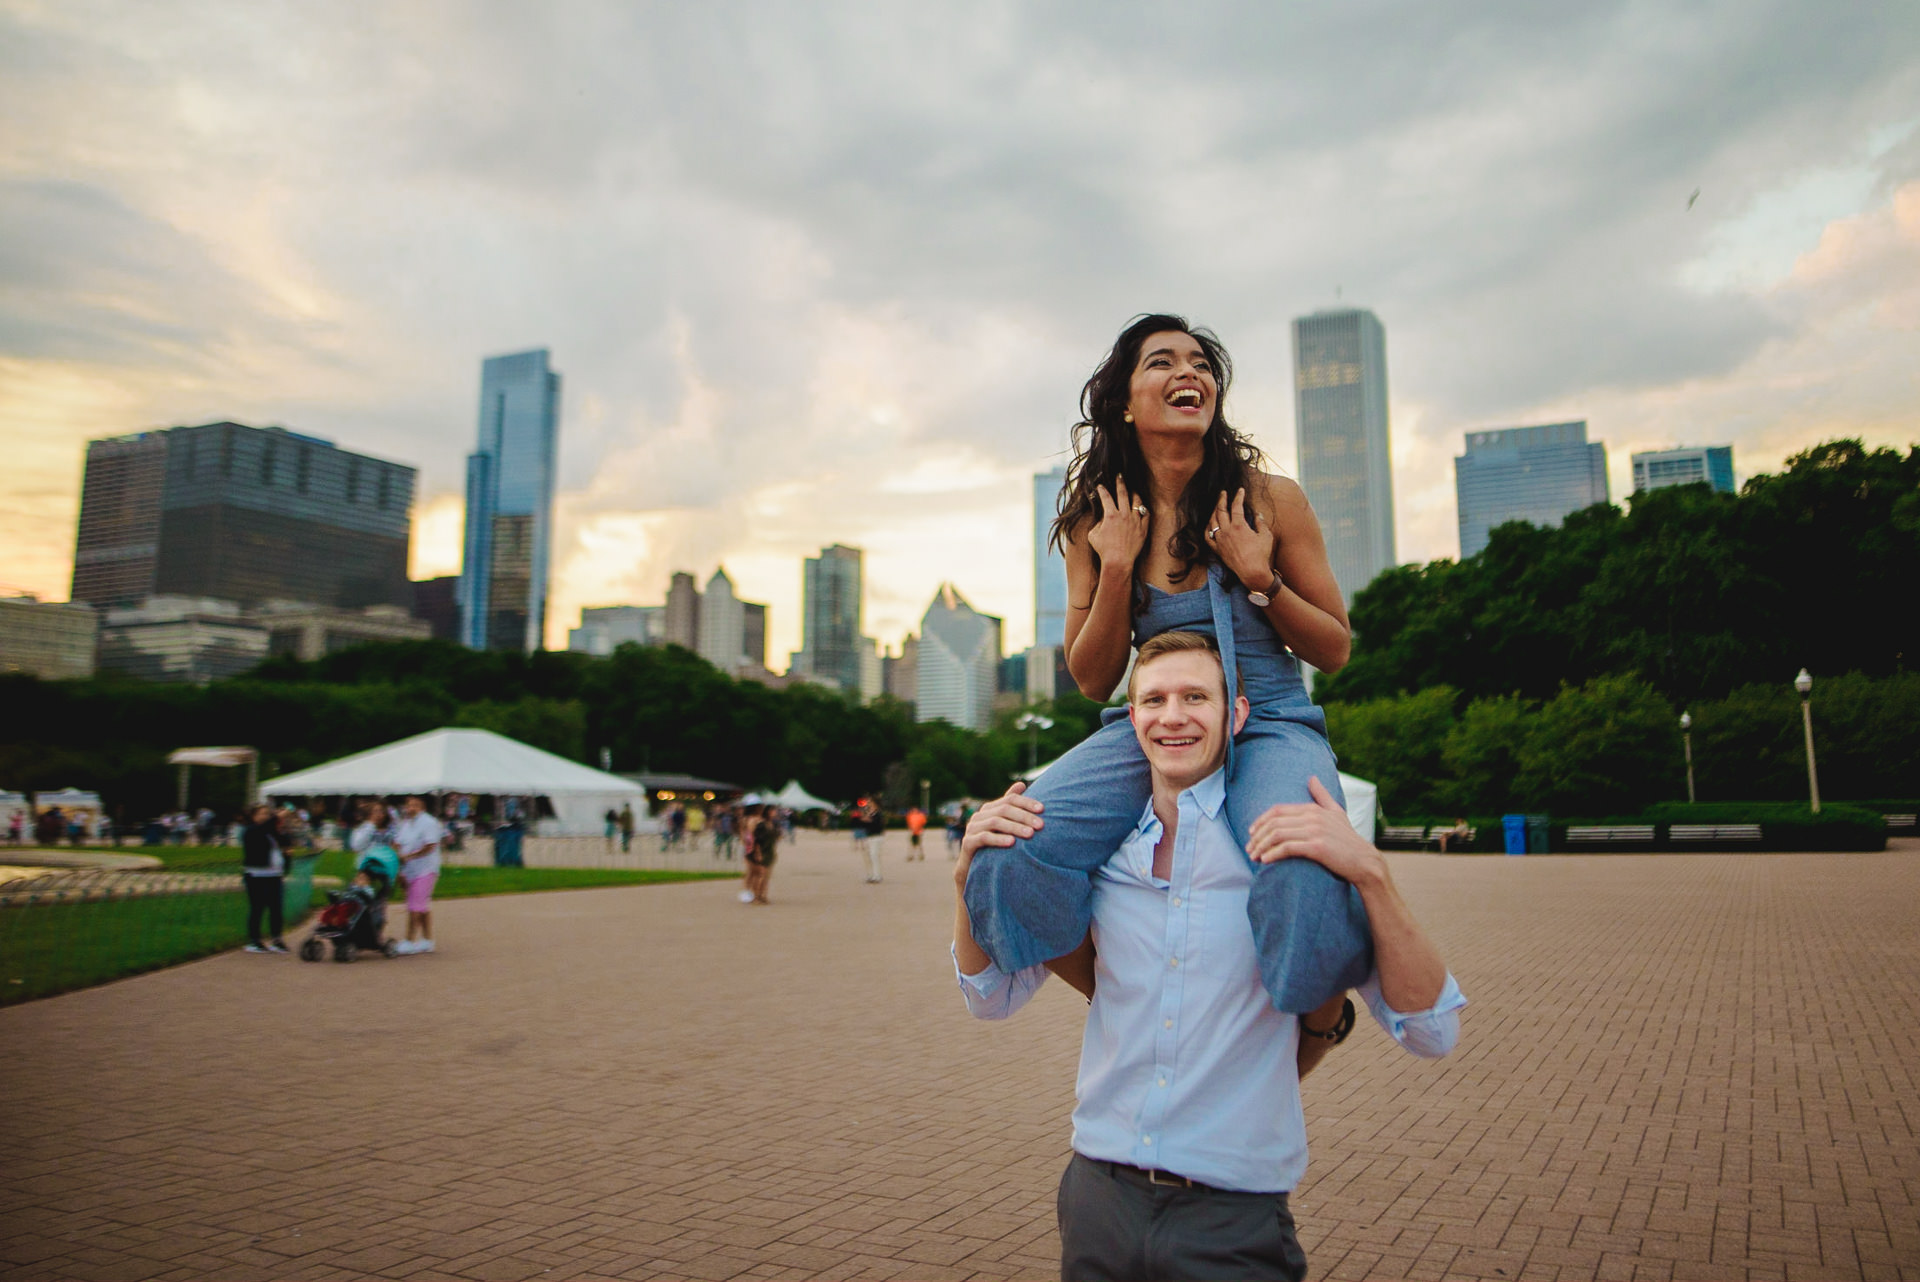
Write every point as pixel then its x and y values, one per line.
pixel 796 281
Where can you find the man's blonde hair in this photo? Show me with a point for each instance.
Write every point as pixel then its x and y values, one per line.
pixel 1166 643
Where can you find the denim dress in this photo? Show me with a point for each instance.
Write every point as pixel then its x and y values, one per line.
pixel 1032 902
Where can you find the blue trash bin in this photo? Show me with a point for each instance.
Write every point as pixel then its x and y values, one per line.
pixel 506 846
pixel 1516 833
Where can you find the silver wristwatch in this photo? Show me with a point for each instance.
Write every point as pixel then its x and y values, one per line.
pixel 1265 599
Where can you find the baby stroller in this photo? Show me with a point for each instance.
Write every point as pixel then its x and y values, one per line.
pixel 355 918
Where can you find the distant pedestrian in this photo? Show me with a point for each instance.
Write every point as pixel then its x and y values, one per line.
pixel 956 828
pixel 626 827
pixel 17 828
pixel 873 829
pixel 612 818
pixel 48 827
pixel 264 870
pixel 418 834
pixel 676 824
pixel 916 824
pixel 766 846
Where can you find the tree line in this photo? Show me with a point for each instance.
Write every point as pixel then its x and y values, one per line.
pixel 1692 592
pixel 652 709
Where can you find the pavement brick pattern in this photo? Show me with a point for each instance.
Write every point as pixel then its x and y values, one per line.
pixel 1684 1067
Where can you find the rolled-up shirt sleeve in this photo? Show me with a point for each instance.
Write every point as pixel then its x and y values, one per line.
pixel 1429 1033
pixel 994 994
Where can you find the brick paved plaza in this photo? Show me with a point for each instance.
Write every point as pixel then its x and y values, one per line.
pixel 1679 1066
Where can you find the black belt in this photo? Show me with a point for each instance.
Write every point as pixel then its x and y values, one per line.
pixel 1163 1179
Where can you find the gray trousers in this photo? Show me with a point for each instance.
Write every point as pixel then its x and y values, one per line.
pixel 1116 1226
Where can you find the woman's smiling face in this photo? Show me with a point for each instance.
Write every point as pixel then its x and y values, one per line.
pixel 1173 387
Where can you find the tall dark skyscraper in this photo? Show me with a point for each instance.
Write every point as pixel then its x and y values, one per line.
pixel 1340 417
pixel 830 637
pixel 510 483
pixel 244 514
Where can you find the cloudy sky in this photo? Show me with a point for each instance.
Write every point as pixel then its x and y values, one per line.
pixel 835 272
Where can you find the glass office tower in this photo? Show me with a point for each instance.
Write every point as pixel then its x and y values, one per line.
pixel 241 514
pixel 1532 474
pixel 510 483
pixel 1657 469
pixel 1340 417
pixel 1049 567
pixel 830 629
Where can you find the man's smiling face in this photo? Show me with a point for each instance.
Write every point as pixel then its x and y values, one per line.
pixel 1180 715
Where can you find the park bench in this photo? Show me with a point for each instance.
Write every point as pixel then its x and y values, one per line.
pixel 1714 832
pixel 1901 823
pixel 1605 834
pixel 1410 836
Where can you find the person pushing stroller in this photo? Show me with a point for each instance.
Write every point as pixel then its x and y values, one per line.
pixel 355 919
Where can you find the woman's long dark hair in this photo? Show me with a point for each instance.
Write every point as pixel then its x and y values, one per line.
pixel 1106 447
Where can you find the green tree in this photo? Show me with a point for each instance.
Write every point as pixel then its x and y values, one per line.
pixel 1481 755
pixel 1604 748
pixel 1397 744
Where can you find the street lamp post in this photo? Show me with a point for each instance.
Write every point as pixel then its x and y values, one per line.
pixel 1804 684
pixel 1686 738
pixel 1033 723
pixel 926 794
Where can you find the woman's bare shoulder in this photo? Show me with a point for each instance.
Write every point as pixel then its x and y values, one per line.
pixel 1276 493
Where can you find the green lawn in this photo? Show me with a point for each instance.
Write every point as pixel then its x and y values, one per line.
pixel 55 948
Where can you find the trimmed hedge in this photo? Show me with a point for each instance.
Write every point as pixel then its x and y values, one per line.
pixel 1784 825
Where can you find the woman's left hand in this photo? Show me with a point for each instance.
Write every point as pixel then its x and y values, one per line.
pixel 1246 550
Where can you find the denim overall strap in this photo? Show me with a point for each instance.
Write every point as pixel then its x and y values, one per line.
pixel 1222 606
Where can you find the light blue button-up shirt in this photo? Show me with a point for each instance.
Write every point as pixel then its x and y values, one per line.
pixel 1186 1066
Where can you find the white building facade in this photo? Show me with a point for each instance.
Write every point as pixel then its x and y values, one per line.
pixel 957 663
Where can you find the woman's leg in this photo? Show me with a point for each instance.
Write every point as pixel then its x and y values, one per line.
pixel 276 892
pixel 1309 926
pixel 1032 901
pixel 256 907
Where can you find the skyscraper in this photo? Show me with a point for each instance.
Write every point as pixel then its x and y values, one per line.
pixel 510 482
pixel 1683 465
pixel 683 611
pixel 1340 418
pixel 723 623
pixel 244 514
pixel 1532 474
pixel 1049 567
pixel 832 616
pixel 957 663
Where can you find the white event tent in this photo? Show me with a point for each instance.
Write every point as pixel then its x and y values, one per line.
pixel 796 798
pixel 470 761
pixel 1363 799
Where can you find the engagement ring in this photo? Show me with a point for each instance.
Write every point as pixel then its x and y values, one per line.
pixel 1214 533
pixel 1139 509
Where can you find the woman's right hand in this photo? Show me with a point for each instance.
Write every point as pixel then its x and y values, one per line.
pixel 1123 528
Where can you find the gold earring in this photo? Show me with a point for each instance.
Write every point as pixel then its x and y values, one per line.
pixel 1128 416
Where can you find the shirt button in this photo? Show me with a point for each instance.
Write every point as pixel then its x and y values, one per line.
pixel 1146 1139
pixel 1168 1024
pixel 1176 901
pixel 1173 962
pixel 1163 1081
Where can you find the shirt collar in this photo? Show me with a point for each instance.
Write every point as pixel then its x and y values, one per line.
pixel 1209 794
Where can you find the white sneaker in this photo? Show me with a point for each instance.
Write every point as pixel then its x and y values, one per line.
pixel 424 946
pixel 257 948
pixel 746 896
pixel 403 947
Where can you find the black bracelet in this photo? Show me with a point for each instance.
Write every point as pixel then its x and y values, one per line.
pixel 1338 1033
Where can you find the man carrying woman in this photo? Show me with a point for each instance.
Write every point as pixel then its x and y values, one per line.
pixel 1167 522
